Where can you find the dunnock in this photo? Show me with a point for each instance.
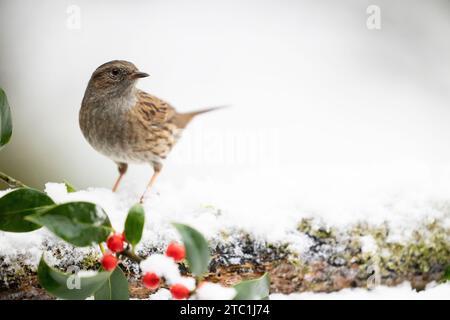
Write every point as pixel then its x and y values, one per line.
pixel 126 124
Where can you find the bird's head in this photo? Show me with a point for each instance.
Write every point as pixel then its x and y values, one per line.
pixel 115 78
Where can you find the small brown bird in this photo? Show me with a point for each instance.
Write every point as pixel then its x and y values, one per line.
pixel 126 124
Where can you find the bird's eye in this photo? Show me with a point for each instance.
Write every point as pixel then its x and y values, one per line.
pixel 115 72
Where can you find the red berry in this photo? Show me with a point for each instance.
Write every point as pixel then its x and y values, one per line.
pixel 109 262
pixel 115 243
pixel 124 238
pixel 179 291
pixel 151 280
pixel 176 251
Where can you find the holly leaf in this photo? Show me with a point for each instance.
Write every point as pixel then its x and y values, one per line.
pixel 79 223
pixel 17 205
pixel 256 289
pixel 115 288
pixel 197 250
pixel 134 224
pixel 69 286
pixel 447 274
pixel 5 119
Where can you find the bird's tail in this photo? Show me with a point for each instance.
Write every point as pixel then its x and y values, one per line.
pixel 185 118
pixel 197 112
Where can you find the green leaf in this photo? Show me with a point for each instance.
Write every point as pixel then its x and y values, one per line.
pixel 255 289
pixel 447 274
pixel 115 288
pixel 69 286
pixel 70 187
pixel 134 225
pixel 5 119
pixel 16 205
pixel 197 251
pixel 79 223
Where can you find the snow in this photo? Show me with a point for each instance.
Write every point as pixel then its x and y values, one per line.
pixel 405 198
pixel 161 294
pixel 205 291
pixel 403 291
pixel 268 212
pixel 162 265
pixel 368 244
pixel 21 244
pixel 162 211
pixel 214 291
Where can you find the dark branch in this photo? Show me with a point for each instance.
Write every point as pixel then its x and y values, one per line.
pixel 130 255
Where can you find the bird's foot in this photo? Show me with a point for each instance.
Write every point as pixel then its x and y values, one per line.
pixel 147 195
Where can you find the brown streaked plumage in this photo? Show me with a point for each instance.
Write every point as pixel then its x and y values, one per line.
pixel 126 124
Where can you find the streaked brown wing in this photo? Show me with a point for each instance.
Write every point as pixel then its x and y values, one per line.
pixel 154 110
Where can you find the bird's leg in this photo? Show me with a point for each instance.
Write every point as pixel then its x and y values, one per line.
pixel 122 167
pixel 156 170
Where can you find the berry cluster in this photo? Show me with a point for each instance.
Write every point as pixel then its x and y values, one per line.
pixel 151 280
pixel 115 243
pixel 176 251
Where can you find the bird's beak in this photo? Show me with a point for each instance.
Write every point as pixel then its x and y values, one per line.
pixel 138 75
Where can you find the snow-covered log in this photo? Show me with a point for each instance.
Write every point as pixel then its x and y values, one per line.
pixel 307 254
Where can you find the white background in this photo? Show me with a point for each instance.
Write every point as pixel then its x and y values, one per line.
pixel 318 100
